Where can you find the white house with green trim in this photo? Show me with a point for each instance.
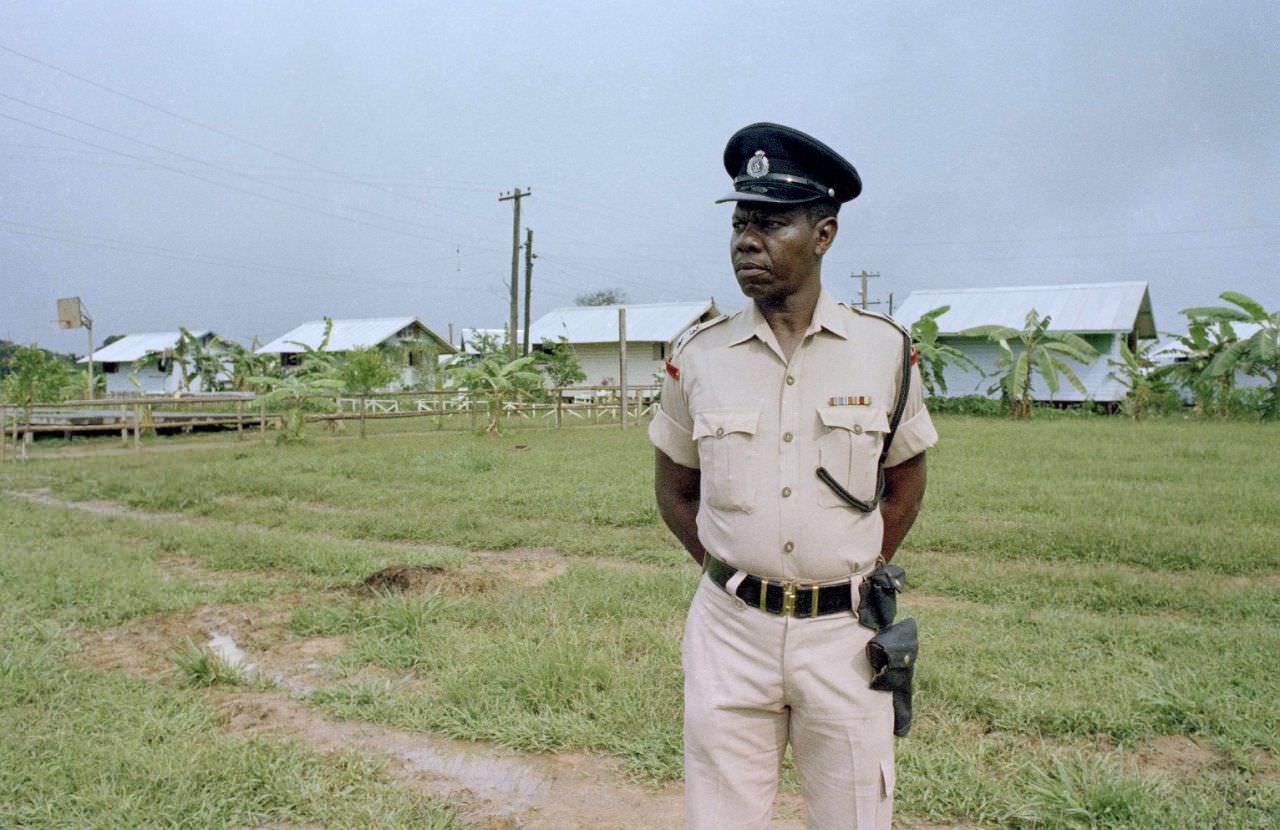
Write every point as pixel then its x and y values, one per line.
pixel 1104 314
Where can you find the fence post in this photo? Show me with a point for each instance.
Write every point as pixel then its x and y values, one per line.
pixel 262 421
pixel 438 401
pixel 364 406
pixel 4 428
pixel 239 420
pixel 471 408
pixel 137 428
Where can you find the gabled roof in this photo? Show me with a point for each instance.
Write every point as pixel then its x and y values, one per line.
pixel 133 347
pixel 349 334
pixel 646 322
pixel 1082 308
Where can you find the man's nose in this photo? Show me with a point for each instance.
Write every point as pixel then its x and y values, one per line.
pixel 748 240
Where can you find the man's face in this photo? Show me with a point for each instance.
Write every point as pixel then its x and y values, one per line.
pixel 777 249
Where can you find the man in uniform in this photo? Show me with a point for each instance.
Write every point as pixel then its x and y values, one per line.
pixel 769 469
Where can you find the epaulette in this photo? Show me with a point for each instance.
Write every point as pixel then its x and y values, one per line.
pixel 693 332
pixel 877 315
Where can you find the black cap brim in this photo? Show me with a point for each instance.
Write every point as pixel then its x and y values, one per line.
pixel 737 196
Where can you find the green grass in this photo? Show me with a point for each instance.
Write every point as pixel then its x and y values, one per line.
pixel 1085 587
pixel 79 749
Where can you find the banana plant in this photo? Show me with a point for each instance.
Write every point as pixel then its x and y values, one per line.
pixel 1258 354
pixel 317 374
pixel 934 356
pixel 1042 353
pixel 496 378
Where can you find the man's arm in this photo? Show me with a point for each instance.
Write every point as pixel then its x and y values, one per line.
pixel 678 490
pixel 903 492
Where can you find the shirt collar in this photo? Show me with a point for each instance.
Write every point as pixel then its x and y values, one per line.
pixel 827 315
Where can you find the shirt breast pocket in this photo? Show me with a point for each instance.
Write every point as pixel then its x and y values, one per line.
pixel 849 448
pixel 726 453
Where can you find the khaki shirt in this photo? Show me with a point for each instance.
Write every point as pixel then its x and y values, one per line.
pixel 758 428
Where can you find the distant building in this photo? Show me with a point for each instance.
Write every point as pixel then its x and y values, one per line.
pixel 652 330
pixel 146 364
pixel 403 332
pixel 1103 314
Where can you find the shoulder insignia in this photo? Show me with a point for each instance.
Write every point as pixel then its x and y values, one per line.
pixel 683 340
pixel 877 315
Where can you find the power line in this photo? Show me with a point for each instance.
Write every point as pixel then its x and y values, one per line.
pixel 224 185
pixel 196 160
pixel 216 130
pixel 125 246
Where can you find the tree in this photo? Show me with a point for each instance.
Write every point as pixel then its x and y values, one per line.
pixel 495 377
pixel 244 363
pixel 935 356
pixel 1196 351
pixel 36 376
pixel 557 359
pixel 601 296
pixel 317 374
pixel 363 371
pixel 205 358
pixel 1146 391
pixel 1041 353
pixel 1258 354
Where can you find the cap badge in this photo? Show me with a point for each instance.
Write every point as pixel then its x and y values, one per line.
pixel 758 165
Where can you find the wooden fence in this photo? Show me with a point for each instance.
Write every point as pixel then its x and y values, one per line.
pixel 251 416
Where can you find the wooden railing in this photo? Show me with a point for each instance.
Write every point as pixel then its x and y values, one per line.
pixel 247 413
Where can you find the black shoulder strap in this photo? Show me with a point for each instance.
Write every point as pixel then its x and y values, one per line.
pixel 904 387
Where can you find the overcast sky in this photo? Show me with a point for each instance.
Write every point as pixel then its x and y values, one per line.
pixel 346 159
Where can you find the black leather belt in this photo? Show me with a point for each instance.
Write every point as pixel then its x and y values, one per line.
pixel 781 596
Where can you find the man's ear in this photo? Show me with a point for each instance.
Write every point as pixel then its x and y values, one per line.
pixel 825 234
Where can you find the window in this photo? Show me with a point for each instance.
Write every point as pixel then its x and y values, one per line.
pixel 659 351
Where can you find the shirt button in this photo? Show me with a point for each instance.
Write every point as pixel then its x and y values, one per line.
pixel 791 380
pixel 719 432
pixel 786 492
pixel 788 547
pixel 857 429
pixel 787 437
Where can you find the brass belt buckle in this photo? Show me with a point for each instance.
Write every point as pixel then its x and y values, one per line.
pixel 788 598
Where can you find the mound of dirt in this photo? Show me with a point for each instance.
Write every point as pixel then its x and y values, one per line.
pixel 405 578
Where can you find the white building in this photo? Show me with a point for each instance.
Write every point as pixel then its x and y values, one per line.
pixel 652 329
pixel 1103 314
pixel 404 332
pixel 145 364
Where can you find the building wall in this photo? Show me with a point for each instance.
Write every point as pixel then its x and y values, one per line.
pixel 962 380
pixel 600 363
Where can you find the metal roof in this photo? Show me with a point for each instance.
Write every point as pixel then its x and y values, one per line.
pixel 133 347
pixel 1086 307
pixel 647 322
pixel 348 335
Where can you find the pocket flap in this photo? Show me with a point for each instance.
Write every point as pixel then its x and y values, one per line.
pixel 857 419
pixel 718 423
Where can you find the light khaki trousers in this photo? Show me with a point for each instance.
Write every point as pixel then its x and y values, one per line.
pixel 753 681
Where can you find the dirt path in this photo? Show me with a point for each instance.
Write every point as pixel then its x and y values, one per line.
pixel 493 788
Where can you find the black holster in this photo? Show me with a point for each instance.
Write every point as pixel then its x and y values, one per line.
pixel 878 596
pixel 892 653
pixel 893 650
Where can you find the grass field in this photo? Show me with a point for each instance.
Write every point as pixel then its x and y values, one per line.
pixel 1099 603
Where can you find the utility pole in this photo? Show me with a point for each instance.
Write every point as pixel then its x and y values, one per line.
pixel 529 256
pixel 863 277
pixel 622 365
pixel 515 196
